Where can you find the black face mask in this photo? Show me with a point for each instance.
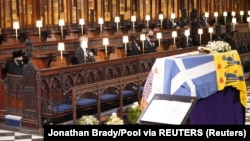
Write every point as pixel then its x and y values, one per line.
pixel 150 36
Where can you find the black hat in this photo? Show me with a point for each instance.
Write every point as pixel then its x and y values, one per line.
pixel 17 53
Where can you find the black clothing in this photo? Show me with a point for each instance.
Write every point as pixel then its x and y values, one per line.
pixel 134 48
pixel 149 46
pixel 13 68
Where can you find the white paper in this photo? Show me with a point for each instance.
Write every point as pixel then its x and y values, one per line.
pixel 166 112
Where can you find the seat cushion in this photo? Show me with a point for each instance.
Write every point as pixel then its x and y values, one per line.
pixel 61 108
pixel 86 102
pixel 105 97
pixel 128 92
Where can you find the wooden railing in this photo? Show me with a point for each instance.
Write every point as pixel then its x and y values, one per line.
pixel 43 89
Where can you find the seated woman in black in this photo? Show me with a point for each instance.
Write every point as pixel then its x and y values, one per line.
pixel 15 66
pixel 134 47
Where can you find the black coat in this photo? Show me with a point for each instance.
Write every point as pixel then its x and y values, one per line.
pixel 134 48
pixel 13 68
pixel 149 46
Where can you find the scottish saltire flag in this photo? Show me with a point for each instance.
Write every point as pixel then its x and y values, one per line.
pixel 191 76
pixel 194 75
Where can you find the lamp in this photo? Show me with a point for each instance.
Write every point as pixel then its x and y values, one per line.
pixel 200 31
pixel 125 41
pixel 100 21
pixel 187 33
pixel 61 24
pixel 81 23
pixel 117 20
pixel 174 35
pixel 225 16
pixel 234 22
pixel 241 15
pixel 142 38
pixel 248 12
pixel 39 25
pixel 248 20
pixel 161 19
pixel 105 42
pixel 216 15
pixel 211 30
pixel 206 16
pixel 233 13
pixel 159 36
pixel 16 27
pixel 61 48
pixel 133 19
pixel 172 16
pixel 147 19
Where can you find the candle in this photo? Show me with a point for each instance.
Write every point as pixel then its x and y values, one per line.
pixel 61 23
pixel 81 22
pixel 241 15
pixel 172 16
pixel 160 16
pixel 234 22
pixel 125 41
pixel 225 13
pixel 248 20
pixel 210 30
pixel 159 36
pixel 147 19
pixel 142 38
pixel 161 19
pixel 100 21
pixel 39 25
pixel 206 16
pixel 117 20
pixel 105 42
pixel 61 48
pixel 200 31
pixel 216 15
pixel 133 19
pixel 225 16
pixel 174 35
pixel 16 27
pixel 233 13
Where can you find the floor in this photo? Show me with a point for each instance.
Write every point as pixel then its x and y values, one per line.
pixel 17 134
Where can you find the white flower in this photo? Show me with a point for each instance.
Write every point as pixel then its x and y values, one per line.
pixel 218 46
pixel 88 120
pixel 114 120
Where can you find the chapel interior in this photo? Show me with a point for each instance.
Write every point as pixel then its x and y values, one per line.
pixel 54 88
